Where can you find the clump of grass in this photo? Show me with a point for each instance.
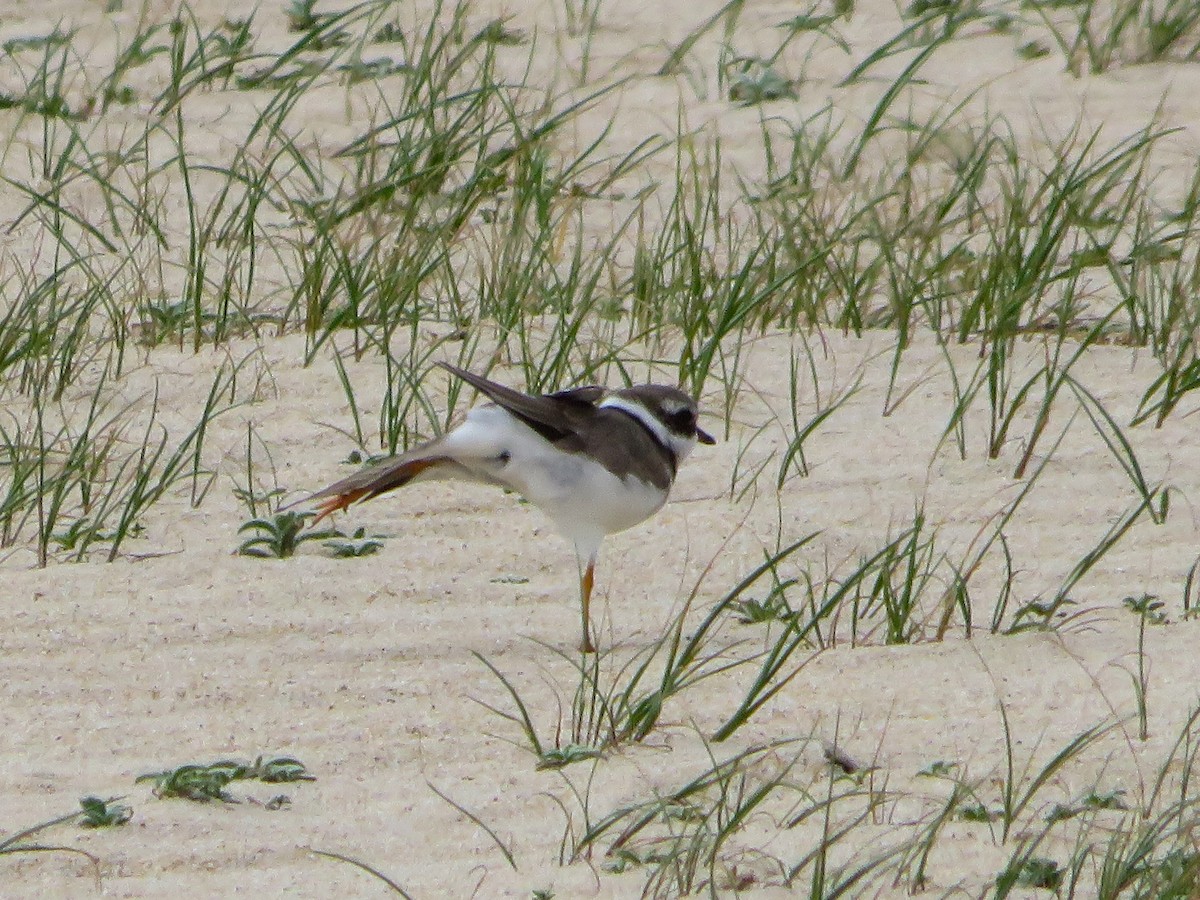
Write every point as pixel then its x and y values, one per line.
pixel 626 704
pixel 85 475
pixel 691 836
pixel 193 782
pixel 303 18
pixel 99 813
pixel 1096 37
pixel 774 608
pixel 1095 800
pixel 497 31
pixel 83 532
pixel 356 545
pixel 559 757
pixel 682 838
pixel 753 81
pixel 978 812
pixel 204 783
pixel 1149 610
pixel 281 535
pixel 1038 872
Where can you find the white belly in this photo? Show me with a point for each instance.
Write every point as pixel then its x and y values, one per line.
pixel 584 499
pixel 583 496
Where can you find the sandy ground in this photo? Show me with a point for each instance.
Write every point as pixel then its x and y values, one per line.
pixel 365 669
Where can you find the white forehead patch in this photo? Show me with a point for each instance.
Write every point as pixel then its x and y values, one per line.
pixel 673 407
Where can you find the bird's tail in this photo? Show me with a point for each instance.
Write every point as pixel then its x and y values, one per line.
pixel 378 479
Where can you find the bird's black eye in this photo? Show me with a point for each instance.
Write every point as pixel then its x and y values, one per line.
pixel 683 421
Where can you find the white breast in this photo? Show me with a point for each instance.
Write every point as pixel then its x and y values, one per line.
pixel 584 499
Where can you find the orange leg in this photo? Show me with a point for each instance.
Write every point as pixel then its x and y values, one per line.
pixel 585 590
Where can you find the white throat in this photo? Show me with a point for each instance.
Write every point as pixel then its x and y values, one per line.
pixel 679 445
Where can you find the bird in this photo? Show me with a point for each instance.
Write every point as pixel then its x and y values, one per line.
pixel 594 461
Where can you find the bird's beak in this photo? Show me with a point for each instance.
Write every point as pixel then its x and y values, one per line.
pixel 704 437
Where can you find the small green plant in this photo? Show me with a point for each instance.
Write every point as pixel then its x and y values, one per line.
pixel 1114 799
pixel 318 29
pixel 1111 800
pixel 793 459
pixel 1040 872
pixel 626 705
pixel 99 813
pixel 82 532
pixel 192 782
pixel 559 757
pixel 302 16
pixel 497 32
pixel 52 106
pixel 939 769
pixel 687 837
pixel 753 81
pixel 1149 610
pixel 356 545
pixel 977 812
pixel 1032 50
pixel 204 783
pixel 371 70
pixel 280 536
pixel 919 8
pixel 1148 607
pixel 1095 37
pixel 388 33
pixel 1180 377
pixel 772 609
pixel 278 770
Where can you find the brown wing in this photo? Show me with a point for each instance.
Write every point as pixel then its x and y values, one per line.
pixel 553 416
pixel 588 394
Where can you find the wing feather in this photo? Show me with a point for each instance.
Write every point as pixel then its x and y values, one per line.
pixel 554 416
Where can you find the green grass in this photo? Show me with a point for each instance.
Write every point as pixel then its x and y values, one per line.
pixel 467 208
pixel 204 783
pixel 1096 37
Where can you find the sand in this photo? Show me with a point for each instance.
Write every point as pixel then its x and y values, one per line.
pixel 368 670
